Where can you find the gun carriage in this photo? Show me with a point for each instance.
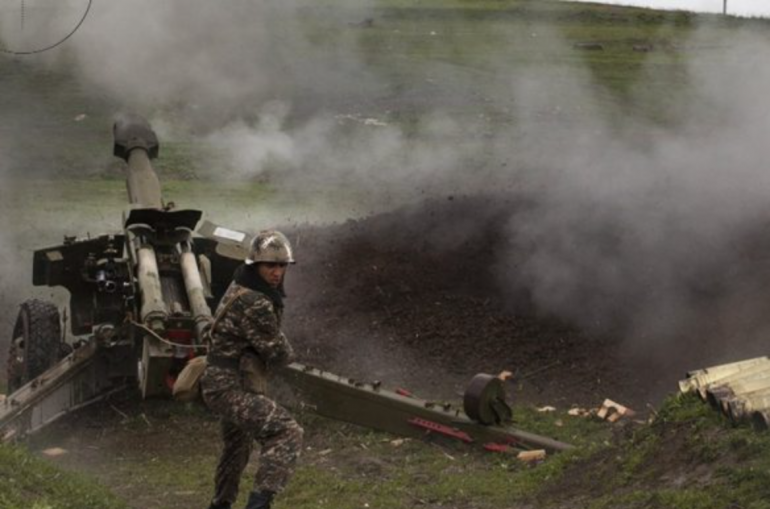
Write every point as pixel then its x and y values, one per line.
pixel 140 305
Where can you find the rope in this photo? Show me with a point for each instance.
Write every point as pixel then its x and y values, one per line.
pixel 52 46
pixel 162 339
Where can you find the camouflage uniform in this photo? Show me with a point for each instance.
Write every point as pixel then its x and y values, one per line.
pixel 249 328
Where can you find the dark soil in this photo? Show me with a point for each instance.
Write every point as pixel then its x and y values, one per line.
pixel 417 297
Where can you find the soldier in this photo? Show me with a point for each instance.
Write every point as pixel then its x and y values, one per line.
pixel 246 342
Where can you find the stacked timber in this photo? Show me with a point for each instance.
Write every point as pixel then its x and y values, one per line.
pixel 740 390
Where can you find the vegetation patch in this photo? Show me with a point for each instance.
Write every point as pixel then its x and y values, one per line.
pixel 28 482
pixel 688 457
pixel 348 467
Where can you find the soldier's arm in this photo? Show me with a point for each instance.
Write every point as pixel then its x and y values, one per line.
pixel 260 326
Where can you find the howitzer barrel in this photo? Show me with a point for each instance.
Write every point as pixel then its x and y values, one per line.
pixel 153 308
pixel 137 144
pixel 195 292
pixel 142 182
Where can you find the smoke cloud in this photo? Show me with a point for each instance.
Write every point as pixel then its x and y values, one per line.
pixel 649 231
pixel 213 63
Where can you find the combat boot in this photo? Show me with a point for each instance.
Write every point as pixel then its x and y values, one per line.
pixel 221 505
pixel 260 500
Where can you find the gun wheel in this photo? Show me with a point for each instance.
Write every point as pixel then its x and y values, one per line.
pixel 484 400
pixel 36 343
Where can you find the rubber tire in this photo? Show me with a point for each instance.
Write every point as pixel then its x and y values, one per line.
pixel 39 326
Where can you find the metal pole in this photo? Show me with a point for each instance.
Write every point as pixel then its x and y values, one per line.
pixel 724 7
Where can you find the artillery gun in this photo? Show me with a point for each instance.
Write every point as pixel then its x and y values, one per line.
pixel 140 305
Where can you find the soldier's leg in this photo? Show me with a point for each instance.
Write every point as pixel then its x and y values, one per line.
pixel 277 432
pixel 233 460
pixel 281 440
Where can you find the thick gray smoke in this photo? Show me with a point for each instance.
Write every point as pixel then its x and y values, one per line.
pixel 652 231
pixel 212 62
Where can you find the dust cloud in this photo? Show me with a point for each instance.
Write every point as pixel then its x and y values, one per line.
pixel 654 233
pixel 634 229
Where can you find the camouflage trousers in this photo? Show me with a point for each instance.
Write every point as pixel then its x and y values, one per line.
pixel 247 418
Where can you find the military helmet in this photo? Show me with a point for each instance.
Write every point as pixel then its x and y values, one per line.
pixel 270 246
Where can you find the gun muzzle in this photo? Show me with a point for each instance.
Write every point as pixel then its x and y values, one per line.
pixel 137 144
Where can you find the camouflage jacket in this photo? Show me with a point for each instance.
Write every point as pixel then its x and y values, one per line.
pixel 251 324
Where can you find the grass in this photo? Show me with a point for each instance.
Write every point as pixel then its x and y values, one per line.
pixel 27 482
pixel 245 206
pixel 170 450
pixel 365 469
pixel 461 44
pixel 689 458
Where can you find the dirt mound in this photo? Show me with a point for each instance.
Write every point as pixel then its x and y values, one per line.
pixel 416 297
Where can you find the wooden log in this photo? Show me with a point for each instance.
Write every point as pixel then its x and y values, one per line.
pixel 532 456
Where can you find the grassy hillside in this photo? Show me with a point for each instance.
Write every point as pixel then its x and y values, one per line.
pixel 456 56
pixel 690 457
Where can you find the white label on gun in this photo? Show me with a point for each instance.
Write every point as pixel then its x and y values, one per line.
pixel 229 234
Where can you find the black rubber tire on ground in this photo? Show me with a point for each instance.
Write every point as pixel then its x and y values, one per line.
pixel 36 342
